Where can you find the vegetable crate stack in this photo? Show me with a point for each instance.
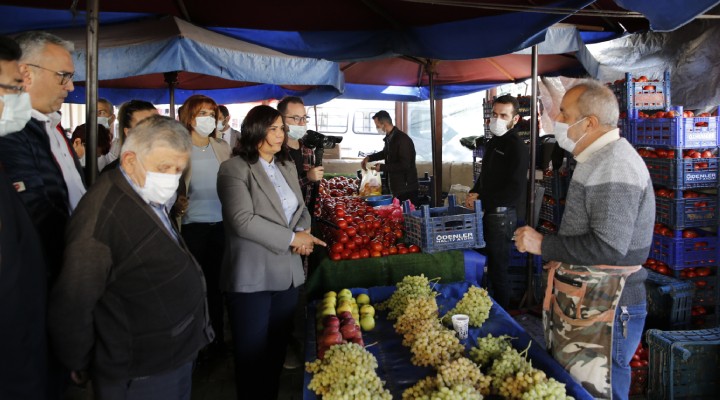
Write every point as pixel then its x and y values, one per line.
pixel 681 153
pixel 556 184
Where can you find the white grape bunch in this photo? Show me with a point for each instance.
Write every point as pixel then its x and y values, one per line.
pixel 434 347
pixel 463 372
pixel 421 389
pixel 549 389
pixel 411 286
pixel 488 349
pixel 456 392
pixel 475 303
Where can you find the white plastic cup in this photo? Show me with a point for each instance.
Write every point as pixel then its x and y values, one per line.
pixel 460 324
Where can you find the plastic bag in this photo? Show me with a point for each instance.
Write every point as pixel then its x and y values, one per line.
pixel 460 192
pixel 371 185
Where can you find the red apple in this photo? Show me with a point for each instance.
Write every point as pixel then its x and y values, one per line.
pixel 358 340
pixel 349 331
pixel 345 315
pixel 347 321
pixel 330 329
pixel 331 320
pixel 331 339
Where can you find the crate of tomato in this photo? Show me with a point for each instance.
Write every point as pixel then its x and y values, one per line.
pixel 639 371
pixel 675 128
pixel 690 247
pixel 684 209
pixel 444 228
pixel 642 93
pixel 696 169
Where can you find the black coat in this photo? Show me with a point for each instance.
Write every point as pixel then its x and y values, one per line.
pixel 23 337
pixel 130 300
pixel 31 166
pixel 399 157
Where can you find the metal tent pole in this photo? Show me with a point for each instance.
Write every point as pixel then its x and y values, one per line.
pixel 436 138
pixel 171 80
pixel 91 82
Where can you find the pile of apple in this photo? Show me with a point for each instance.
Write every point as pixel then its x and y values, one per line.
pixel 362 231
pixel 341 317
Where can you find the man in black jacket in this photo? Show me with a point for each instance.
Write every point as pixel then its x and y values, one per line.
pixel 399 157
pixel 130 303
pixel 501 186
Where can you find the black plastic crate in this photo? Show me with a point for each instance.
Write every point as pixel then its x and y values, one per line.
pixel 669 302
pixel 684 364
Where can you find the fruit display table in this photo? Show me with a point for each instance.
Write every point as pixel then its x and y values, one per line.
pixel 394 359
pixel 449 266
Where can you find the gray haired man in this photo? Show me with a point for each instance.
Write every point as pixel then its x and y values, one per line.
pixel 594 309
pixel 130 303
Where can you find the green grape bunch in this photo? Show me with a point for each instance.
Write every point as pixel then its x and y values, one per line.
pixel 463 372
pixel 550 389
pixel 488 349
pixel 435 347
pixel 456 392
pixel 475 303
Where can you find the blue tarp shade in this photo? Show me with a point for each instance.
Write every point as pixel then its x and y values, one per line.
pixel 499 34
pixel 668 15
pixel 394 359
pixel 20 19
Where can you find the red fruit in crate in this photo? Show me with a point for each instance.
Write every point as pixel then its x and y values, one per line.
pixel 689 274
pixel 689 234
pixel 635 364
pixel 414 249
pixel 701 284
pixel 642 78
pixel 662 270
pixel 707 154
pixel 703 271
pixel 402 250
pixel 659 114
pixel 661 153
pixel 688 114
pixel 648 87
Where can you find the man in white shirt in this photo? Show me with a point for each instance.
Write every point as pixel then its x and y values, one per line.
pixel 224 130
pixel 39 159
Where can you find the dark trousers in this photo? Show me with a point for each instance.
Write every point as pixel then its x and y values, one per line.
pixel 412 196
pixel 171 385
pixel 261 325
pixel 498 230
pixel 207 243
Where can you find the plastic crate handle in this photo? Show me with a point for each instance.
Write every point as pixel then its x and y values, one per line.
pixel 679 350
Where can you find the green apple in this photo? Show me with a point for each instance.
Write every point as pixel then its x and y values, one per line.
pixel 345 292
pixel 329 310
pixel 330 294
pixel 356 316
pixel 344 307
pixel 367 323
pixel 330 301
pixel 363 299
pixel 342 297
pixel 367 309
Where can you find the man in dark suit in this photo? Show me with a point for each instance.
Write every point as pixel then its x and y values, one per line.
pixel 130 303
pixel 39 159
pixel 399 157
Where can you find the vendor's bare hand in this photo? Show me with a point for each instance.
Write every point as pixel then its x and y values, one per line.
pixel 470 200
pixel 378 167
pixel 315 174
pixel 528 240
pixel 363 163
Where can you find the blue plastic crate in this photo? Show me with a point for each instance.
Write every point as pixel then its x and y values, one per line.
pixel 552 213
pixel 683 364
pixel 445 228
pixel 669 301
pixel 686 213
pixel 478 153
pixel 676 132
pixel 642 95
pixel 555 185
pixel 425 187
pixel 679 173
pixel 679 253
pixel 477 166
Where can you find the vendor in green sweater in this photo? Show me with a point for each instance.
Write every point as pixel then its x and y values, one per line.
pixel 594 308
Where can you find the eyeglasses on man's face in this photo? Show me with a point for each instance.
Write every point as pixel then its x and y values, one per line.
pixel 12 88
pixel 65 77
pixel 299 120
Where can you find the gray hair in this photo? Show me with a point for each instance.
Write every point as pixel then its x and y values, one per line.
pixel 598 100
pixel 33 43
pixel 157 130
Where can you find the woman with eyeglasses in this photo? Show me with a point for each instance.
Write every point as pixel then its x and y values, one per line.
pixel 198 207
pixel 267 229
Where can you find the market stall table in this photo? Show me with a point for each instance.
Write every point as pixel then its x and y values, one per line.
pixel 394 359
pixel 449 266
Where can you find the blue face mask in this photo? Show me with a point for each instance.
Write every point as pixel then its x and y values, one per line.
pixel 561 135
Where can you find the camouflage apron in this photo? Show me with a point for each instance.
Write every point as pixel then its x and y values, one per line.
pixel 578 315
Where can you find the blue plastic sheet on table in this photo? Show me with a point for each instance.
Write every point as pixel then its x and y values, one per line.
pixel 394 358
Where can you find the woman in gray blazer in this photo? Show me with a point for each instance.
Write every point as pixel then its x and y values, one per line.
pixel 267 229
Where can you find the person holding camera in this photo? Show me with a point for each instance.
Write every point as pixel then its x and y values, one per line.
pixel 293 109
pixel 399 157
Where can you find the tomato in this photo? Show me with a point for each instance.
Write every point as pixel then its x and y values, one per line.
pixel 701 284
pixel 376 254
pixel 398 233
pixel 689 234
pixel 635 364
pixel 335 256
pixel 385 253
pixel 642 78
pixel 402 250
pixel 346 254
pixel 644 363
pixel 636 357
pixel 414 249
pixel 350 245
pixel 663 270
pixel 648 87
pixel 688 274
pixel 707 154
pixel 342 237
pixel 392 250
pixel 364 253
pixel 376 246
pixel 357 240
pixel 341 223
pixel 339 213
pixel 703 271
pixel 351 231
pixel 337 248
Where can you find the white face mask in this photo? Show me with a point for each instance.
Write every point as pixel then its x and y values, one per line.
pixel 204 125
pixel 159 187
pixel 561 135
pixel 296 131
pixel 220 125
pixel 16 112
pixel 104 121
pixel 498 127
pixel 380 130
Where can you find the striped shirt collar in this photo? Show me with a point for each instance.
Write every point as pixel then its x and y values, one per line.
pixel 599 143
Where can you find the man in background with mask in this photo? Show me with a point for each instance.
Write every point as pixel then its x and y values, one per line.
pixel 39 159
pixel 225 131
pixel 293 109
pixel 124 254
pixel 399 157
pixel 106 118
pixel 23 286
pixel 604 237
pixel 501 186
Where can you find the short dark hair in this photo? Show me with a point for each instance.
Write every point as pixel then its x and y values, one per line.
pixel 103 137
pixel 283 104
pixel 223 110
pixel 508 99
pixel 127 110
pixel 383 116
pixel 254 130
pixel 9 49
pixel 106 101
